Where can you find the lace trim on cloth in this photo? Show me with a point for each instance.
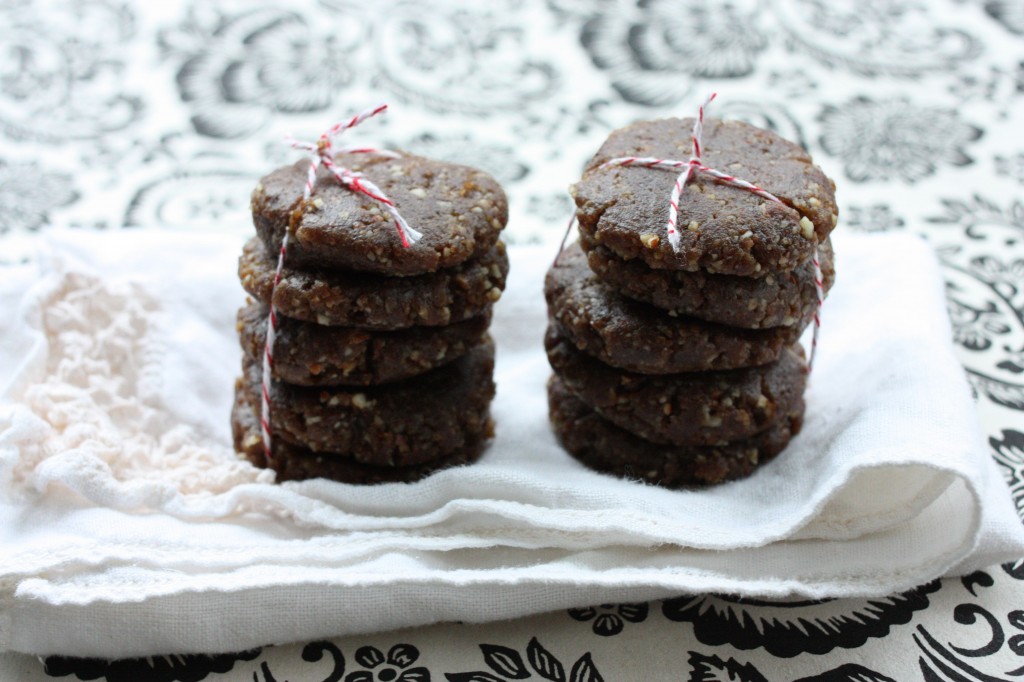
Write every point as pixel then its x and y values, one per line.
pixel 95 409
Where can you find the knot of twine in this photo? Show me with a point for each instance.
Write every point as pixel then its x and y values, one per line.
pixel 323 152
pixel 694 165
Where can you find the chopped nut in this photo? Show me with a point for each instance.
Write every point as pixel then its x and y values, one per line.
pixel 762 402
pixel 806 227
pixel 418 192
pixel 650 240
pixel 813 201
pixel 360 402
pixel 693 226
pixel 317 202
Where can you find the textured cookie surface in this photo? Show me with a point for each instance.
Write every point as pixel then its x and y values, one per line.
pixel 459 210
pixel 351 299
pixel 699 408
pixel 641 338
pixel 404 423
pixel 603 446
pixel 723 229
pixel 309 354
pixel 777 299
pixel 292 462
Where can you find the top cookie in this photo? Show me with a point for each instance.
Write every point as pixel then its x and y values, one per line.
pixel 723 229
pixel 459 210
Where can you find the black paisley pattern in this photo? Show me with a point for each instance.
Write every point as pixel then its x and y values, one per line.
pixel 787 629
pixel 113 114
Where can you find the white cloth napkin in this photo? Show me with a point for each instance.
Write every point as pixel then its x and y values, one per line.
pixel 128 526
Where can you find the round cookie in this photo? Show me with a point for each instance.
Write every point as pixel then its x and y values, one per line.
pixel 640 338
pixel 294 463
pixel 400 424
pixel 600 445
pixel 309 354
pixel 351 299
pixel 699 408
pixel 459 210
pixel 723 229
pixel 775 300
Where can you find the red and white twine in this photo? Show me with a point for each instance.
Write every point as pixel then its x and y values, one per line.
pixel 323 152
pixel 695 165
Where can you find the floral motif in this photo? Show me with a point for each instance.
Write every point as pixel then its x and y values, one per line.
pixel 238 70
pixel 510 665
pixel 874 218
pixel 874 37
pixel 654 51
pixel 894 138
pixel 609 618
pixel 974 327
pixel 1008 452
pixel 786 629
pixel 467 59
pixel 193 199
pixel 395 667
pixel 27 193
pixel 983 219
pixel 59 80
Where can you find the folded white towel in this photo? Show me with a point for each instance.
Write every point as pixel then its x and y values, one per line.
pixel 129 527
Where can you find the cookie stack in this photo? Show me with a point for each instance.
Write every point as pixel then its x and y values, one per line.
pixel 681 366
pixel 382 364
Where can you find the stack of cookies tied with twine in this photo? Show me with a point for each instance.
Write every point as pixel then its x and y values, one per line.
pixel 674 341
pixel 373 273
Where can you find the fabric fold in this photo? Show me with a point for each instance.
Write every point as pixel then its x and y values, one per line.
pixel 124 503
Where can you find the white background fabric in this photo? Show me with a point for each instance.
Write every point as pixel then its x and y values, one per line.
pixel 126 504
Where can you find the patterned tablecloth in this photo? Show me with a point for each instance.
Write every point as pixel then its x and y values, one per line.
pixel 125 116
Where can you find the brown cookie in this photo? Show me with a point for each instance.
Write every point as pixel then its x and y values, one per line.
pixel 400 424
pixel 723 229
pixel 641 338
pixel 309 354
pixel 698 408
pixel 777 299
pixel 600 445
pixel 459 210
pixel 293 462
pixel 367 301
